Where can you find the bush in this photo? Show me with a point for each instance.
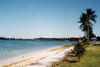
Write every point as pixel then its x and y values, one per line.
pixel 79 49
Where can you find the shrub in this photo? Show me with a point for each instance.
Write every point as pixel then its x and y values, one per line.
pixel 79 49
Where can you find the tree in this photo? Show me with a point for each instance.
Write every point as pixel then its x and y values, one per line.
pixel 86 21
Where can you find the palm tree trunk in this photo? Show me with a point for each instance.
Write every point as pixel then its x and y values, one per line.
pixel 88 34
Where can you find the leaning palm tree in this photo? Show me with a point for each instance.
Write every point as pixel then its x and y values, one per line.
pixel 86 20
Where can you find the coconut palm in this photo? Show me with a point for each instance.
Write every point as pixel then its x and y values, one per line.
pixel 86 20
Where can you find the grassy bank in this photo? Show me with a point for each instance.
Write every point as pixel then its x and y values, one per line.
pixel 63 47
pixel 90 59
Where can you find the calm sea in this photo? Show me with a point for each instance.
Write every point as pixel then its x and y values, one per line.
pixel 12 48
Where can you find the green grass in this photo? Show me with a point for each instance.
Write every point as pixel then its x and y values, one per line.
pixel 90 59
pixel 60 48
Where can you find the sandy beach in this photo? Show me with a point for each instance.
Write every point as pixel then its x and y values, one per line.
pixel 42 58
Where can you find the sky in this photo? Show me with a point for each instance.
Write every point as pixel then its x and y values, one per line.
pixel 45 18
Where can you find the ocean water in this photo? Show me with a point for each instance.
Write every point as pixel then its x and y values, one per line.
pixel 12 48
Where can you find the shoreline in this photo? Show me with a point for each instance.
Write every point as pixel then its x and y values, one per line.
pixel 29 58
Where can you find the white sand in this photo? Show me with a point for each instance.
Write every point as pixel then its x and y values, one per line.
pixel 42 58
pixel 47 61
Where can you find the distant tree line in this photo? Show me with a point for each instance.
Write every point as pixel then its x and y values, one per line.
pixel 58 39
pixel 49 39
pixel 4 38
pixel 43 39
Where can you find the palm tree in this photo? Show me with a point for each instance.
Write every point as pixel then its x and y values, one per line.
pixel 86 20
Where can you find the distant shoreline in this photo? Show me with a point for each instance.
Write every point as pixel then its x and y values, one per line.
pixel 42 39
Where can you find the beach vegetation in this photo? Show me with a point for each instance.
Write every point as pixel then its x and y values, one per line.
pixel 90 59
pixel 79 49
